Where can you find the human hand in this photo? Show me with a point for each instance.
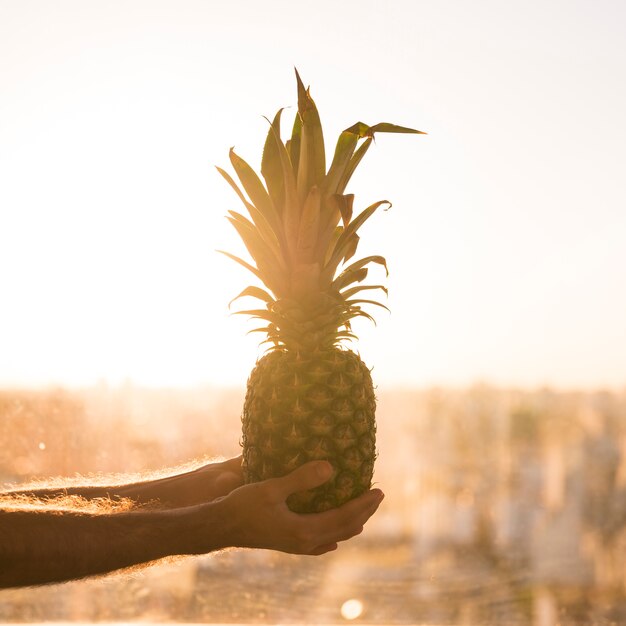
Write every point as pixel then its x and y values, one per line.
pixel 195 487
pixel 204 484
pixel 215 480
pixel 257 515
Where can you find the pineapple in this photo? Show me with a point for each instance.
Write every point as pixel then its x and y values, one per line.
pixel 309 397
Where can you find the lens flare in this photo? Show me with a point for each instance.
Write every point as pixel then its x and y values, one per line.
pixel 351 609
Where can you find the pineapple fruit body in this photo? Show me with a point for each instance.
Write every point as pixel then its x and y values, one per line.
pixel 307 406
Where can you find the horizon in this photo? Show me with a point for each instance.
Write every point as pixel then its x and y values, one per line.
pixel 131 386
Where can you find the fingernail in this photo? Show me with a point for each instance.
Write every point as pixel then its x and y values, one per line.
pixel 324 470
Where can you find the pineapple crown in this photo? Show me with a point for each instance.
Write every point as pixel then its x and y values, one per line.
pixel 302 230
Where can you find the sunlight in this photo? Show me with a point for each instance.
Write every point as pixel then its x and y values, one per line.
pixel 351 609
pixel 128 286
pixel 499 393
pixel 126 239
pixel 112 209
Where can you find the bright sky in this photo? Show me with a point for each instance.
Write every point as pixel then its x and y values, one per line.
pixel 506 241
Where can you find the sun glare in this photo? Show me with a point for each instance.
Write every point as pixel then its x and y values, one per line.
pixel 351 609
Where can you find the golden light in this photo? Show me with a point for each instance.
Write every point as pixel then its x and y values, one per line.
pixel 352 609
pixel 111 208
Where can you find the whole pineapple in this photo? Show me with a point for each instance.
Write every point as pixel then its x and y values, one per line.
pixel 309 397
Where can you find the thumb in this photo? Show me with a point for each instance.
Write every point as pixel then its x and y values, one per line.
pixel 307 476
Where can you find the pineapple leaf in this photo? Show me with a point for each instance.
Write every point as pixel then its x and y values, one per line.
pixel 233 184
pixel 337 207
pixel 333 239
pixel 272 233
pixel 364 130
pixel 300 230
pixel 349 277
pixel 344 242
pixel 247 265
pixel 362 301
pixel 294 144
pixel 270 165
pixel 346 144
pixel 263 314
pixel 345 160
pixel 291 211
pixel 309 227
pixel 369 259
pixel 386 127
pixel 264 228
pixel 266 330
pixel 353 164
pixel 312 162
pixel 348 293
pixel 259 314
pixel 265 256
pixel 330 216
pixel 352 245
pixel 254 188
pixel 345 207
pixel 253 292
pixel 360 313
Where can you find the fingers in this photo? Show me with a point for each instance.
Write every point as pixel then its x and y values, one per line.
pixel 348 520
pixel 233 465
pixel 324 549
pixel 258 516
pixel 324 530
pixel 308 476
pixel 320 533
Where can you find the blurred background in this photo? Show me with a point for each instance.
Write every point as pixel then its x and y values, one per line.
pixel 501 370
pixel 502 507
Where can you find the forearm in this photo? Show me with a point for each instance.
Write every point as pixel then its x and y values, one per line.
pixel 168 491
pixel 194 486
pixel 45 547
pixel 49 545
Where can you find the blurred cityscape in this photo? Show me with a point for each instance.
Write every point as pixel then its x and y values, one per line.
pixel 503 507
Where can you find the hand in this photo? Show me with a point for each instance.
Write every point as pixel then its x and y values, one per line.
pixel 257 515
pixel 202 485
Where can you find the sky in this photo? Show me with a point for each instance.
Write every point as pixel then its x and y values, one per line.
pixel 506 242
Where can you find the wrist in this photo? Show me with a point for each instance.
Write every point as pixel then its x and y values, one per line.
pixel 203 528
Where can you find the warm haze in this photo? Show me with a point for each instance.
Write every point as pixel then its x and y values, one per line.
pixel 505 242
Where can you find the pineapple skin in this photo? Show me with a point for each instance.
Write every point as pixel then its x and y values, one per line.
pixel 307 406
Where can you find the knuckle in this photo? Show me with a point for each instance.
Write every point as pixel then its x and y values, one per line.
pixel 266 492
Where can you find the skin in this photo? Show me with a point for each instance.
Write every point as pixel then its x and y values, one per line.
pixel 197 486
pixel 196 512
